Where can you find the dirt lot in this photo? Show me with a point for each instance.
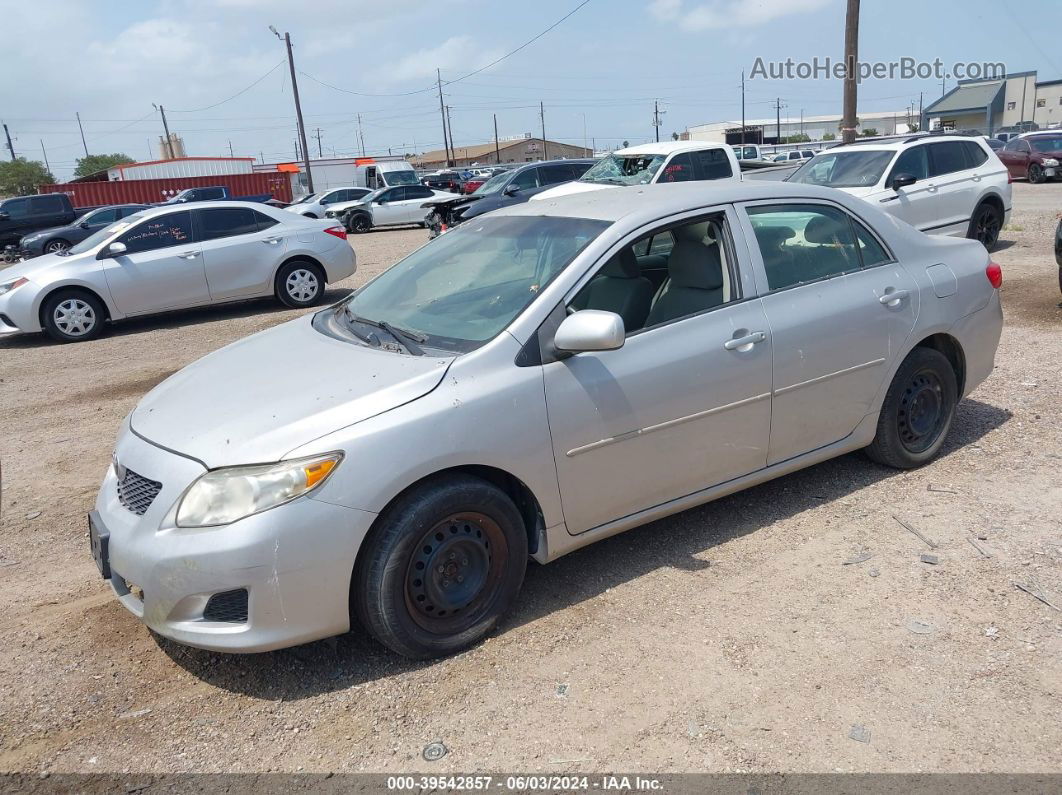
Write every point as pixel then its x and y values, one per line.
pixel 727 638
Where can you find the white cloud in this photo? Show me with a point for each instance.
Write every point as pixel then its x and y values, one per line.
pixel 723 14
pixel 456 54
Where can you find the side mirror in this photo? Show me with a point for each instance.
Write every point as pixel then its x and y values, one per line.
pixel 590 330
pixel 902 181
pixel 511 190
pixel 84 225
pixel 115 249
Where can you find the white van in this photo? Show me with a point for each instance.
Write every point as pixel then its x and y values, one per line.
pixel 374 174
pixel 665 161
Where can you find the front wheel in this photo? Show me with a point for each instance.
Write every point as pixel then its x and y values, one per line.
pixel 57 246
pixel 358 224
pixel 1036 174
pixel 73 316
pixel 299 284
pixel 917 411
pixel 440 567
pixel 985 225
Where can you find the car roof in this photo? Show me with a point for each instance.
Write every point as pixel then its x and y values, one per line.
pixel 655 201
pixel 151 212
pixel 893 143
pixel 669 147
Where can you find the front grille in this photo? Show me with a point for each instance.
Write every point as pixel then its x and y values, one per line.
pixel 228 606
pixel 137 492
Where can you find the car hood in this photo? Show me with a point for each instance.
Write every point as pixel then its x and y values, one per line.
pixel 570 188
pixel 32 267
pixel 49 231
pixel 261 397
pixel 862 191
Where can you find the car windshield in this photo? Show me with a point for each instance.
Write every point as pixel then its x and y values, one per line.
pixel 404 177
pixel 1046 143
pixel 466 286
pixel 617 169
pixel 494 184
pixel 96 238
pixel 844 169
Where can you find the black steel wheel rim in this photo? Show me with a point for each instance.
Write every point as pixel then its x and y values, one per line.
pixel 455 571
pixel 987 227
pixel 923 412
pixel 1035 173
pixel 361 224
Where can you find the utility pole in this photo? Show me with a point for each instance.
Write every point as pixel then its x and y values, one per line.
pixel 497 148
pixel 542 115
pixel 778 121
pixel 45 153
pixel 298 108
pixel 10 146
pixel 921 126
pixel 584 132
pixel 85 145
pixel 442 114
pixel 165 129
pixel 851 55
pixel 743 106
pixel 230 149
pixel 261 157
pixel 319 152
pixel 656 119
pixel 450 128
pixel 801 122
pixel 361 136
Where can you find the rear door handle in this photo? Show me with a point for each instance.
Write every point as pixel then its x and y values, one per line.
pixel 188 254
pixel 272 240
pixel 931 188
pixel 893 297
pixel 744 343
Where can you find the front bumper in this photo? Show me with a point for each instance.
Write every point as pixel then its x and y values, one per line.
pixel 18 310
pixel 294 561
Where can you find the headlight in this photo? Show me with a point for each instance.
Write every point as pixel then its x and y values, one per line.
pixel 9 286
pixel 1050 162
pixel 225 495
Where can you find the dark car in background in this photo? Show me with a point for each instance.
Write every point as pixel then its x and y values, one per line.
pixel 58 239
pixel 1034 156
pixel 509 187
pixel 450 181
pixel 25 214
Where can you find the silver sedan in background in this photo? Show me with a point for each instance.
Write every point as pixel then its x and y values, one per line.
pixel 166 258
pixel 540 378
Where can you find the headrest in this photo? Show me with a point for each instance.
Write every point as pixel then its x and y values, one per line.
pixel 693 233
pixel 774 236
pixel 824 229
pixel 695 265
pixel 623 265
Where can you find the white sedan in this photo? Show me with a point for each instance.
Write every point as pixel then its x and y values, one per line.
pixel 397 206
pixel 167 258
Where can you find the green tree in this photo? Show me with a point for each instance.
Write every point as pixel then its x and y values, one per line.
pixel 869 132
pixel 90 164
pixel 802 138
pixel 21 177
pixel 829 137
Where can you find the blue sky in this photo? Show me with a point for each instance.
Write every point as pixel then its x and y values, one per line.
pixel 599 71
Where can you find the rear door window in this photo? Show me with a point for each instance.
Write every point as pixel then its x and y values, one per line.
pixel 263 220
pixel 226 222
pixel 802 243
pixel 946 158
pixel 975 155
pixel 173 229
pixel 712 164
pixel 46 205
pixel 552 175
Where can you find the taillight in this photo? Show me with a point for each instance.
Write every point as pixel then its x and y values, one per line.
pixel 337 231
pixel 994 274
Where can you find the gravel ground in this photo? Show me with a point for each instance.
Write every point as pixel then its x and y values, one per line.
pixel 727 638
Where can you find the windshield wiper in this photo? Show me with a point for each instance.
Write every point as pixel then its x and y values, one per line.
pixel 407 339
pixel 608 180
pixel 369 339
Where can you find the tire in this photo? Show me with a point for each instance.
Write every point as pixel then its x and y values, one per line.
pixel 1036 174
pixel 56 246
pixel 985 225
pixel 73 316
pixel 358 224
pixel 467 535
pixel 299 283
pixel 917 412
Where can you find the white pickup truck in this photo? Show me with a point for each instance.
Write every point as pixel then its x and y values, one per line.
pixel 670 161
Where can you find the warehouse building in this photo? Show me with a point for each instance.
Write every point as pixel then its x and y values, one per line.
pixel 769 131
pixel 524 149
pixel 1017 101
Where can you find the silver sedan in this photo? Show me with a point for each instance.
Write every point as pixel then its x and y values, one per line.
pixel 536 380
pixel 166 258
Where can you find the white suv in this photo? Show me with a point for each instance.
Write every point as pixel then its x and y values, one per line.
pixel 939 184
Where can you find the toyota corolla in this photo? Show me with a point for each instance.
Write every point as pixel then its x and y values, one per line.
pixel 536 380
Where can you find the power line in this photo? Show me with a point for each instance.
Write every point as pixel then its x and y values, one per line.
pixel 238 93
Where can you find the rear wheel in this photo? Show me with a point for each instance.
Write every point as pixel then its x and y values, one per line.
pixel 917 411
pixel 985 225
pixel 73 316
pixel 440 568
pixel 1036 174
pixel 57 246
pixel 299 283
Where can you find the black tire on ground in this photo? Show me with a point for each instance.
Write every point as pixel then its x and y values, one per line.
pixel 299 283
pixel 985 225
pixel 1036 174
pixel 440 567
pixel 917 412
pixel 56 245
pixel 358 224
pixel 73 316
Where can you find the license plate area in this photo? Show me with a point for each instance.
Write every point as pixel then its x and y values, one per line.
pixel 99 543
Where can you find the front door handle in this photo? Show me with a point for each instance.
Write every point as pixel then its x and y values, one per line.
pixel 272 240
pixel 893 297
pixel 188 254
pixel 931 188
pixel 746 342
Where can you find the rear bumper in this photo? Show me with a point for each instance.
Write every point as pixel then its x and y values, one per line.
pixel 293 562
pixel 978 334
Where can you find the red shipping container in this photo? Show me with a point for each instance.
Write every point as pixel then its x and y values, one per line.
pixel 153 191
